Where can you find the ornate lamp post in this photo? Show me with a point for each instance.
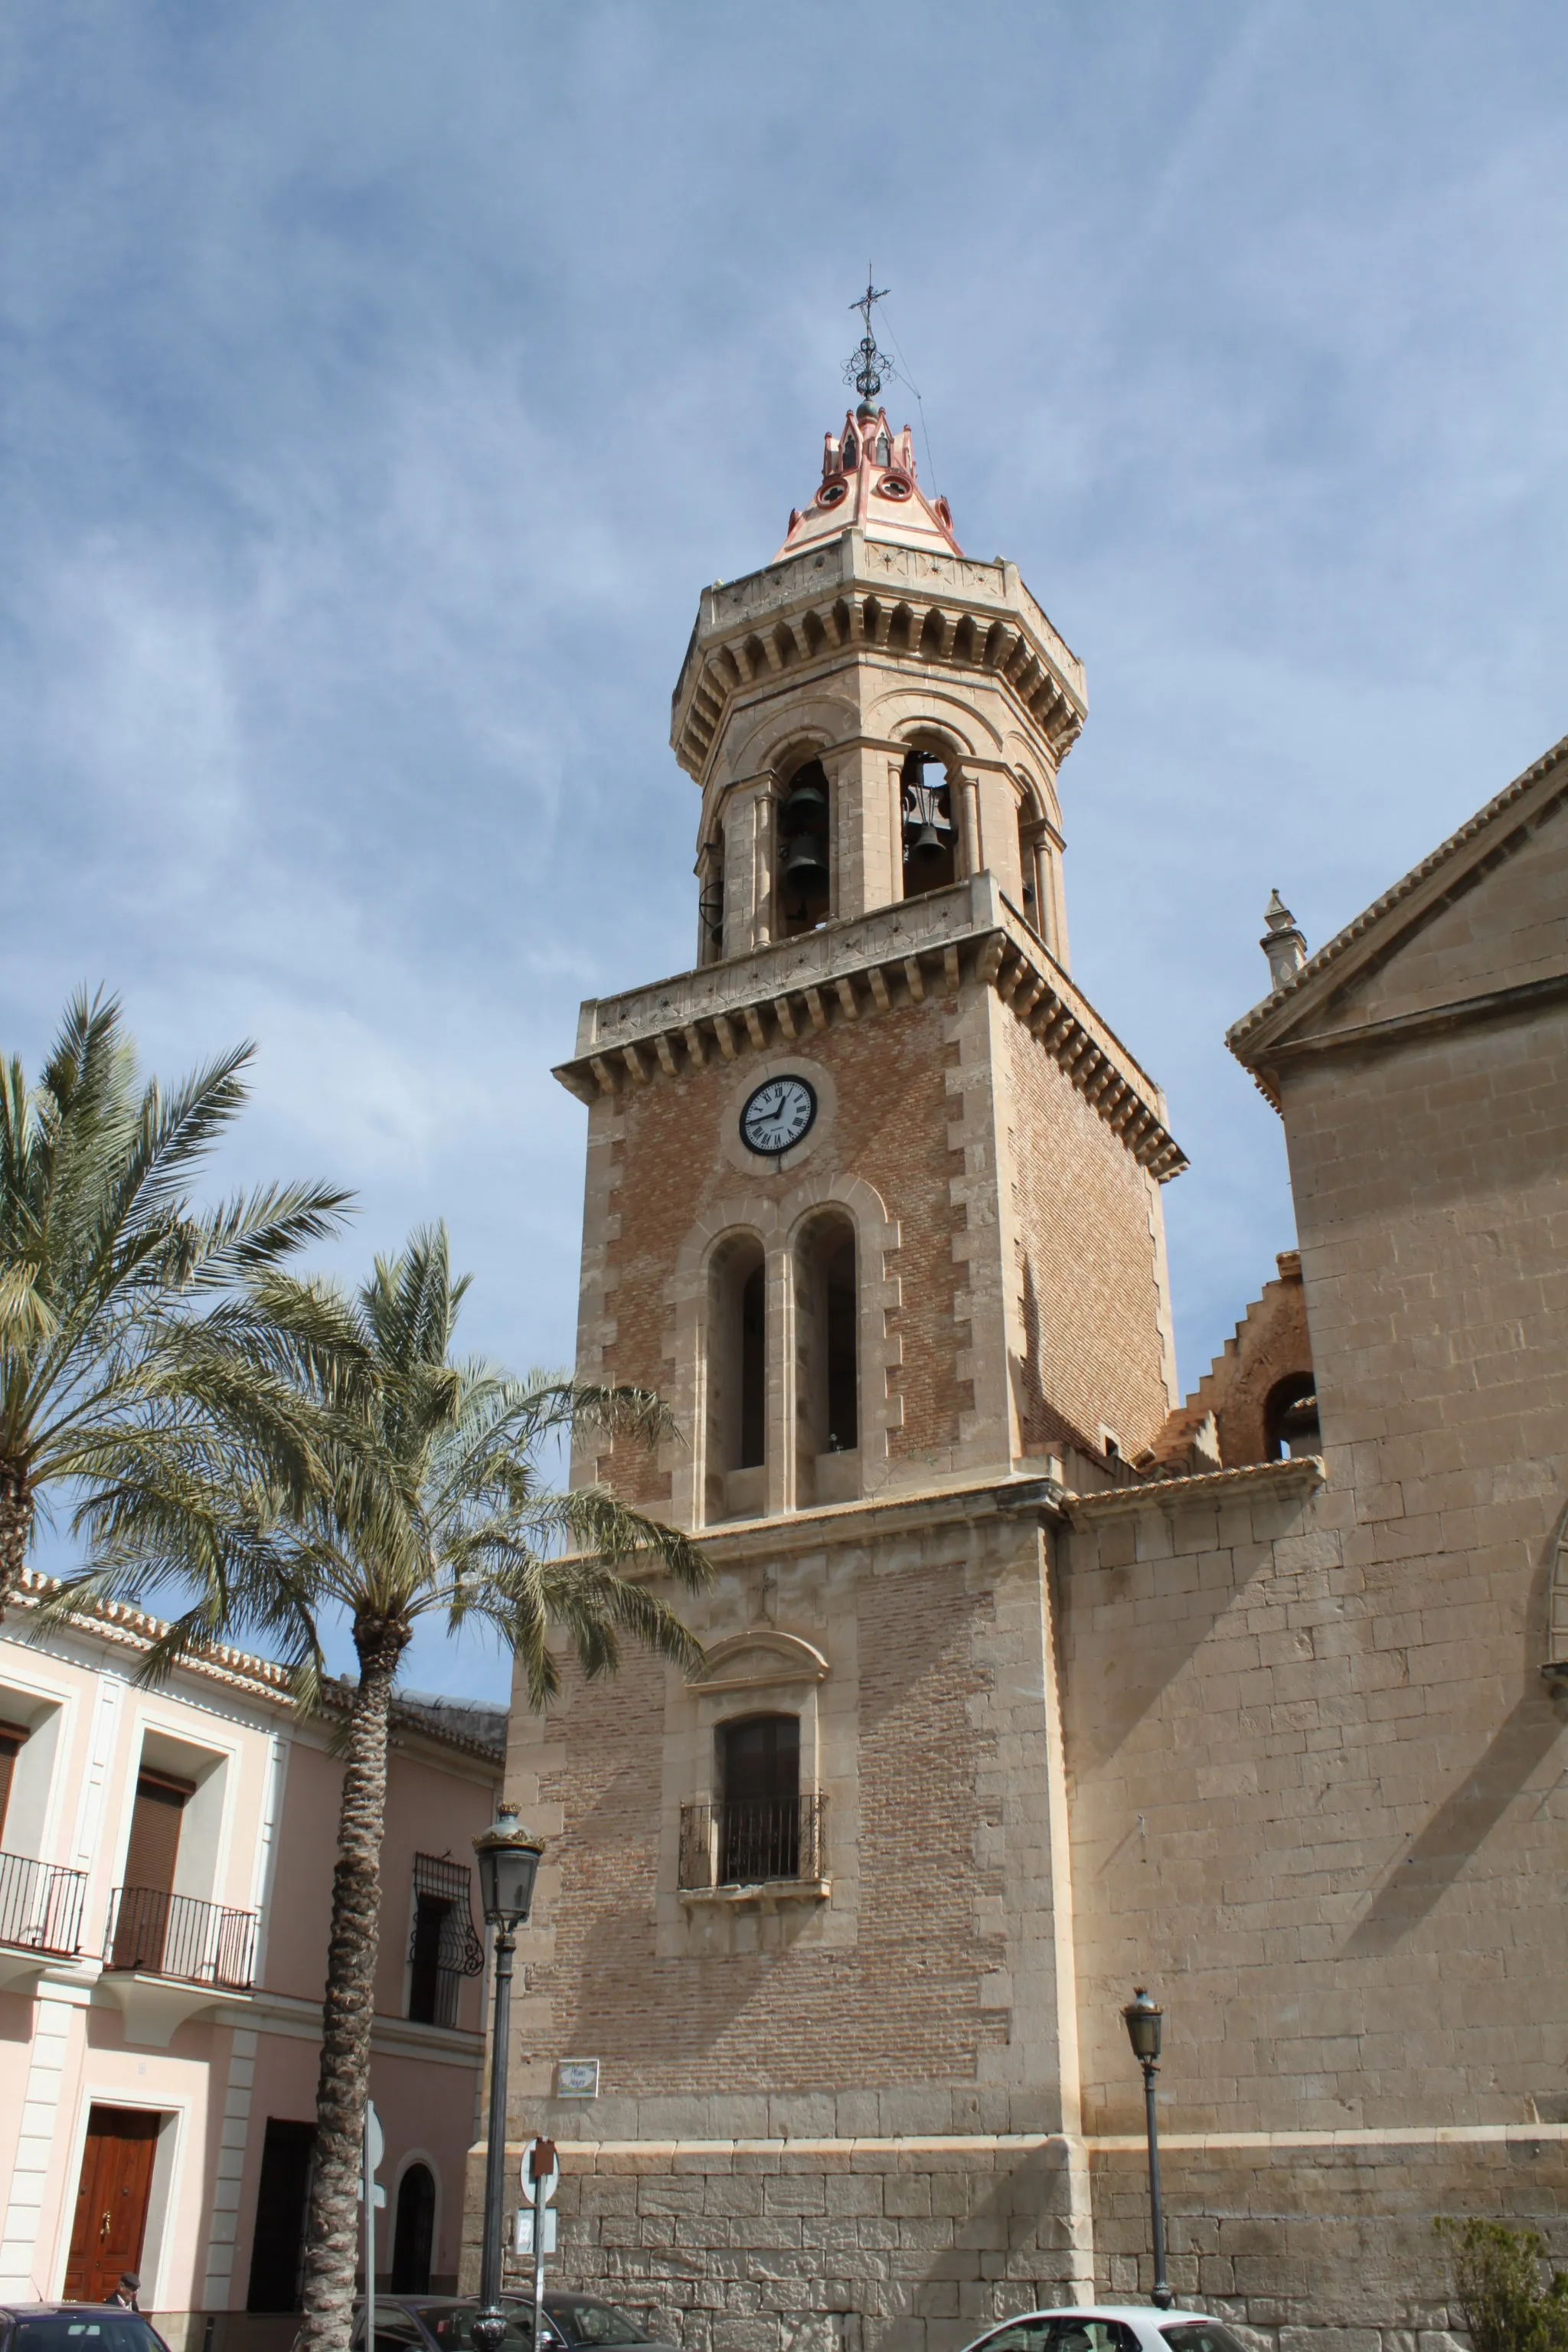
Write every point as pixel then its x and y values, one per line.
pixel 508 1864
pixel 1143 2019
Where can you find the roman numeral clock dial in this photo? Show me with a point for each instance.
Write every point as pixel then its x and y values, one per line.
pixel 778 1114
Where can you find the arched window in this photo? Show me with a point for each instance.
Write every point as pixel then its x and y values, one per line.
pixel 413 2234
pixel 827 1383
pixel 759 1799
pixel 710 903
pixel 737 1379
pixel 1290 1417
pixel 1028 866
pixel 805 851
pixel 925 799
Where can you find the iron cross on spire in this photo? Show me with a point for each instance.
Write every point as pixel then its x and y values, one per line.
pixel 863 369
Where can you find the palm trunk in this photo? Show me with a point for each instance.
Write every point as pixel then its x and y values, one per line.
pixel 15 1533
pixel 332 2230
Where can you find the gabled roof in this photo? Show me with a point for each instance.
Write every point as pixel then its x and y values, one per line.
pixel 1486 840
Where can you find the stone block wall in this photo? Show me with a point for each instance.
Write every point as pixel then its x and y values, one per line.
pixel 838 2246
pixel 766 2246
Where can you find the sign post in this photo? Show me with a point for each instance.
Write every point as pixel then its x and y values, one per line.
pixel 375 2148
pixel 541 2174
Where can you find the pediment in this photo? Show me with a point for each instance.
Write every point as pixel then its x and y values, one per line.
pixel 759 1660
pixel 1480 919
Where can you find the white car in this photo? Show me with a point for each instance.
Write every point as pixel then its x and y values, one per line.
pixel 1109 2328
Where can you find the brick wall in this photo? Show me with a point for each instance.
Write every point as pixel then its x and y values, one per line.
pixel 902 2003
pixel 1089 1271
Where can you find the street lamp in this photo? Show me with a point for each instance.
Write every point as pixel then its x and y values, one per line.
pixel 1143 2018
pixel 508 1864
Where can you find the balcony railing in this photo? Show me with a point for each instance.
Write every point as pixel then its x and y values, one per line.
pixel 740 1844
pixel 177 1935
pixel 40 1906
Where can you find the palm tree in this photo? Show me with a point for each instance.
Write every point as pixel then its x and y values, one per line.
pixel 437 1506
pixel 113 1386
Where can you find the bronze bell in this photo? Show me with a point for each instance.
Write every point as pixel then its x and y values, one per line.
pixel 927 843
pixel 807 860
pixel 806 810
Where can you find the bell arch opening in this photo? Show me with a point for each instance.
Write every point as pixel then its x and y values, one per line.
pixel 827 1359
pixel 1290 1417
pixel 804 850
pixel 929 832
pixel 737 1379
pixel 710 901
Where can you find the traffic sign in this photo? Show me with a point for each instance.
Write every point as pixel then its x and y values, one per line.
pixel 552 2176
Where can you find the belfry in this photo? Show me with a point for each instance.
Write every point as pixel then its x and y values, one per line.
pixel 947 1263
pixel 1025 1681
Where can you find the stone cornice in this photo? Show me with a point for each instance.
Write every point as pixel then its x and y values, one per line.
pixel 860 595
pixel 780 995
pixel 1300 1475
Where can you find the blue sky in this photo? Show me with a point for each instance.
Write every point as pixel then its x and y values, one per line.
pixel 379 385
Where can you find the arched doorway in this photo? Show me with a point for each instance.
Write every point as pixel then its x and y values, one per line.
pixel 413 2234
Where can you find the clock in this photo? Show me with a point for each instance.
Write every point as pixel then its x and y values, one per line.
pixel 776 1115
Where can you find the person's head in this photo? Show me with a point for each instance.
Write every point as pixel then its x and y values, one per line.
pixel 129 2283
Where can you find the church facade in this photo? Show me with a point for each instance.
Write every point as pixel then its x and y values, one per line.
pixel 1028 1680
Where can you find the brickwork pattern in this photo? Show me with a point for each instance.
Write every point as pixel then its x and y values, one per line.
pixel 1087 1267
pixel 1271 1341
pixel 671 1165
pixel 903 2005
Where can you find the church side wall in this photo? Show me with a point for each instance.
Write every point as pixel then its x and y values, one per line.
pixel 1088 1311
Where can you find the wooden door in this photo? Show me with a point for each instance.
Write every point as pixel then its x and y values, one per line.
pixel 111 2201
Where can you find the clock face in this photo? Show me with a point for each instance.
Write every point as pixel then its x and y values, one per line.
pixel 777 1115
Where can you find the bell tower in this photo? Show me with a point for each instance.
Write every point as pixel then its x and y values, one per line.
pixel 873 1201
pixel 950 1265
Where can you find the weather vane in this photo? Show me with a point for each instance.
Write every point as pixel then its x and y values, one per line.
pixel 864 370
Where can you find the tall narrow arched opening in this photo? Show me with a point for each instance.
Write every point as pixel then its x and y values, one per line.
pixel 1029 831
pixel 737 1379
pixel 710 901
pixel 827 1359
pixel 926 825
pixel 414 2231
pixel 805 884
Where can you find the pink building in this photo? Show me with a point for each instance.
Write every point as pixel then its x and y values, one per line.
pixel 165 1876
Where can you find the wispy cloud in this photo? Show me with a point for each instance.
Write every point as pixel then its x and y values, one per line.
pixel 374 403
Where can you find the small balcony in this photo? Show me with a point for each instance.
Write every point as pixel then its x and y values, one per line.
pixel 40 1908
pixel 176 1936
pixel 777 1842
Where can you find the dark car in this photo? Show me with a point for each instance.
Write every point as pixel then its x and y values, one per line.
pixel 76 2327
pixel 445 2323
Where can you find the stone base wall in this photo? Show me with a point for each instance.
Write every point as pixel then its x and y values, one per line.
pixel 759 2248
pixel 1319 2249
pixel 919 2247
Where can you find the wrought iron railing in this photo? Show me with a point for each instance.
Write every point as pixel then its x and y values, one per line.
pixel 177 1935
pixel 725 1844
pixel 443 1948
pixel 40 1906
